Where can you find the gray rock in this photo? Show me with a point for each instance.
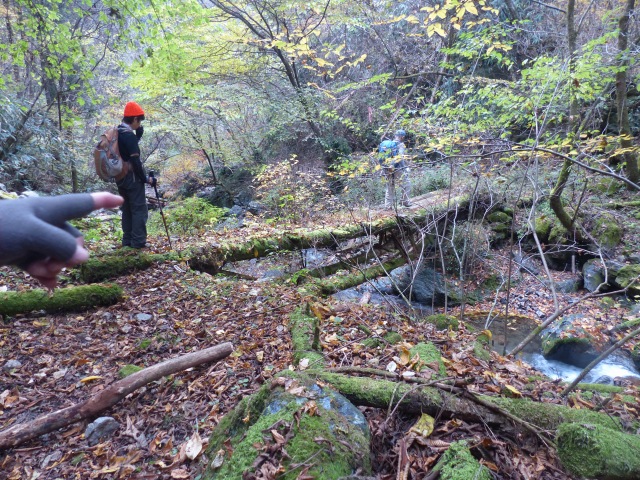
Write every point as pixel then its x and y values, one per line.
pixel 255 208
pixel 100 429
pixel 28 193
pixel 592 274
pixel 143 317
pixel 428 286
pixel 236 211
pixel 604 380
pixel 569 286
pixel 12 365
pixel 568 343
pixel 526 264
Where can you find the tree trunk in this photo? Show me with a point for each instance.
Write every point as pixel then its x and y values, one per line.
pixel 67 299
pixel 626 144
pixel 555 200
pixel 109 396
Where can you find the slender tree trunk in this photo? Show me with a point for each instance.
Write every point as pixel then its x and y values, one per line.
pixel 555 200
pixel 630 157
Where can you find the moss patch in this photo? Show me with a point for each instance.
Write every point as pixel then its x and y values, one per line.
pixel 430 356
pixel 303 329
pixel 606 231
pixel 457 463
pixel 442 321
pixel 128 370
pixel 626 275
pixel 594 451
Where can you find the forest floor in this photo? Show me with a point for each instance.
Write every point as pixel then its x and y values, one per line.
pixel 170 310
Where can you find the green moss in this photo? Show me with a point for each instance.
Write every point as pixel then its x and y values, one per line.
pixel 372 342
pixel 594 451
pixel 335 458
pixel 550 416
pixel 128 370
pixel 303 328
pixel 626 275
pixel 392 337
pixel 67 299
pixel 558 233
pixel 606 231
pixel 457 463
pixel 499 217
pixel 430 355
pixel 442 321
pixel 481 350
pixel 543 226
pixel 600 388
pixel 110 266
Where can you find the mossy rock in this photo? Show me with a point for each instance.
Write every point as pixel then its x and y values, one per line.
pixel 626 275
pixel 457 463
pixel 606 231
pixel 431 356
pixel 128 370
pixel 594 451
pixel 442 321
pixel 243 435
pixel 499 217
pixel 543 226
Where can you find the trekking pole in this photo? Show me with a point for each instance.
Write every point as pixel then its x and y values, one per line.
pixel 155 188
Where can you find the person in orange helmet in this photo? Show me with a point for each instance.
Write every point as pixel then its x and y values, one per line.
pixel 131 187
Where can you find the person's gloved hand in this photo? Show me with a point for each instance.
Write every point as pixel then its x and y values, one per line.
pixel 35 235
pixel 139 132
pixel 153 181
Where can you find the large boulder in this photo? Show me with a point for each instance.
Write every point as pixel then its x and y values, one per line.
pixel 593 273
pixel 427 286
pixel 568 342
pixel 282 427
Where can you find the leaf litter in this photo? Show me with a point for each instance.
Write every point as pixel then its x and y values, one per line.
pixel 164 426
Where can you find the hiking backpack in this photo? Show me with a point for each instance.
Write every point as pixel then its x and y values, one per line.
pixel 108 162
pixel 386 150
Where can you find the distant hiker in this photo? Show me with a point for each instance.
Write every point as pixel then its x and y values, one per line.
pixel 131 187
pixel 35 235
pixel 391 156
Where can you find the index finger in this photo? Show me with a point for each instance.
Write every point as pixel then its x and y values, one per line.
pixel 57 210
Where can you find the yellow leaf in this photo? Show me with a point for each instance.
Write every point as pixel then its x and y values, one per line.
pixel 91 378
pixel 471 8
pixel 514 391
pixel 424 426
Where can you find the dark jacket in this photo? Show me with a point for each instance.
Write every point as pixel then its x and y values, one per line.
pixel 130 151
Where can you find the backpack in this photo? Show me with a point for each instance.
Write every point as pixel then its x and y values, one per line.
pixel 386 150
pixel 108 162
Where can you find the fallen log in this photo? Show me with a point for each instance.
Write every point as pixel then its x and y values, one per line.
pixel 594 451
pixel 108 397
pixel 211 259
pixel 67 299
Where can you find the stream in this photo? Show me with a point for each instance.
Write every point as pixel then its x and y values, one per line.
pixel 616 365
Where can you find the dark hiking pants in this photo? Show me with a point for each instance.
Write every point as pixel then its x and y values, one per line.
pixel 134 211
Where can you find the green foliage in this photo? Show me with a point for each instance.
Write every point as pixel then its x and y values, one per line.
pixel 188 216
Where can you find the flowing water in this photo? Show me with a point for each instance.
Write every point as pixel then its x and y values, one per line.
pixel 517 328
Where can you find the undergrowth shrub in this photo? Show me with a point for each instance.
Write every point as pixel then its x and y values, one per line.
pixel 191 215
pixel 293 194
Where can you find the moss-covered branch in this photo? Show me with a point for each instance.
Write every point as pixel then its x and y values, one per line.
pixel 102 268
pixel 341 282
pixel 61 300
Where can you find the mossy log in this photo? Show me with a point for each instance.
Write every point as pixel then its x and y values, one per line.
pixel 341 282
pixel 594 451
pixel 104 267
pixel 435 401
pixel 210 259
pixel 67 299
